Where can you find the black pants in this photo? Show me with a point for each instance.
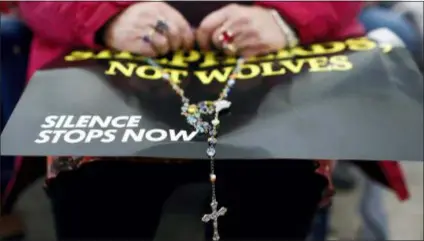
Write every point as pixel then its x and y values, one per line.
pixel 122 200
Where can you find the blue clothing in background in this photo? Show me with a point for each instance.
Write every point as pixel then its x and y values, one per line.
pixel 320 225
pixel 375 17
pixel 15 43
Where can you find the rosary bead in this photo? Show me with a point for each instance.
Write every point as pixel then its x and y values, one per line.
pixel 240 61
pixel 215 122
pixel 212 177
pixel 212 140
pixel 191 120
pixel 192 109
pixel 184 108
pixel 166 76
pixel 210 151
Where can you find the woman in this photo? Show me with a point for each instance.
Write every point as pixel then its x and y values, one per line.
pixel 264 202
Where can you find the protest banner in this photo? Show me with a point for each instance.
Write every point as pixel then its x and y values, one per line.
pixel 351 99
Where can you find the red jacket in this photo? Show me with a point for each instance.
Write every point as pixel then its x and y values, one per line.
pixel 4 8
pixel 7 6
pixel 61 26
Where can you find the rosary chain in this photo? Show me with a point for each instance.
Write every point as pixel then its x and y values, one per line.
pixel 193 114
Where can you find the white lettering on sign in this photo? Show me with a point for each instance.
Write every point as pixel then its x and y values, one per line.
pixel 74 129
pixel 90 121
pixel 156 135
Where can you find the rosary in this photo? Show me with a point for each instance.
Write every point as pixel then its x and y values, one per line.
pixel 194 113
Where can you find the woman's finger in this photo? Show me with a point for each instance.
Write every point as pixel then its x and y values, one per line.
pixel 246 39
pixel 224 38
pixel 183 30
pixel 158 41
pixel 142 44
pixel 251 51
pixel 210 25
pixel 173 35
pixel 173 22
pixel 131 38
pixel 188 37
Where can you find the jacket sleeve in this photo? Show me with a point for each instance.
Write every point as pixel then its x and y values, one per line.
pixel 71 23
pixel 316 21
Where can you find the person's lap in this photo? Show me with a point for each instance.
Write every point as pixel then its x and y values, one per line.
pixel 124 200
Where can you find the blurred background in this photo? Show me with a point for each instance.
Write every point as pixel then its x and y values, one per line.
pixel 361 209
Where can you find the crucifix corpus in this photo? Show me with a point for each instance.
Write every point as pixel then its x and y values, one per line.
pixel 214 217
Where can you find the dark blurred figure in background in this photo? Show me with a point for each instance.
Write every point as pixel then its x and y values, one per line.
pixel 405 19
pixel 15 42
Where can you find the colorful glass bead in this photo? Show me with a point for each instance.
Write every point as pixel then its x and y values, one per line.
pixel 240 61
pixel 191 120
pixel 215 122
pixel 211 151
pixel 212 177
pixel 192 109
pixel 204 109
pixel 202 127
pixel 184 108
pixel 213 132
pixel 212 140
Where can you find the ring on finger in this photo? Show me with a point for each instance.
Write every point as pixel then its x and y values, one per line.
pixel 159 42
pixel 148 37
pixel 161 26
pixel 230 47
pixel 226 37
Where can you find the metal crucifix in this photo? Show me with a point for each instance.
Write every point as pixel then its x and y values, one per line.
pixel 214 217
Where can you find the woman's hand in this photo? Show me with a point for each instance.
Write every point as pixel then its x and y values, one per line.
pixel 254 30
pixel 136 29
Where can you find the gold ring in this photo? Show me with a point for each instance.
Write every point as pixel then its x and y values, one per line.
pixel 148 37
pixel 161 26
pixel 230 47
